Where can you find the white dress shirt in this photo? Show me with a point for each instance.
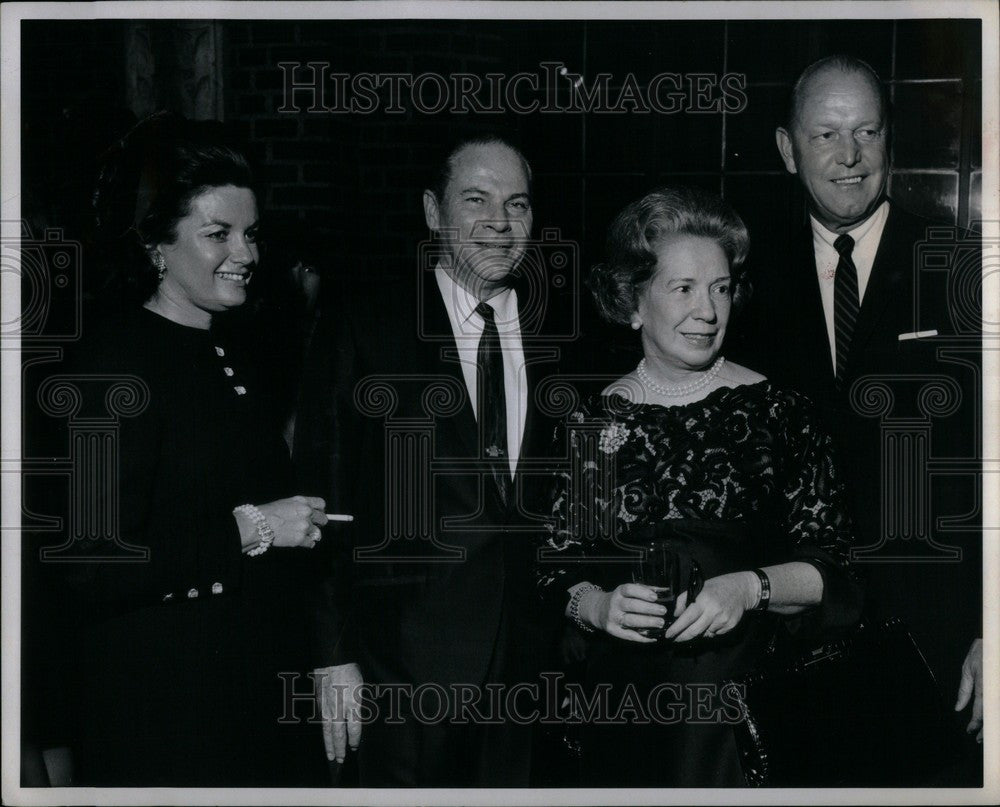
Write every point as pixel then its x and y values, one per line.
pixel 467 328
pixel 867 236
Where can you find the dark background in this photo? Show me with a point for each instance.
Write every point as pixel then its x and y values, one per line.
pixel 354 182
pixel 358 178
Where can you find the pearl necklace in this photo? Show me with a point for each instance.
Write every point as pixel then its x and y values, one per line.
pixel 681 389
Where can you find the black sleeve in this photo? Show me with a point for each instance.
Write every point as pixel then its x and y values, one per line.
pixel 326 452
pixel 175 536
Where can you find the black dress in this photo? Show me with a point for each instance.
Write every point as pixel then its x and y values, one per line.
pixel 178 655
pixel 738 480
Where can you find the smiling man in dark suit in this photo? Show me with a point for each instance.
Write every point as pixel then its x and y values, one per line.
pixel 421 423
pixel 874 313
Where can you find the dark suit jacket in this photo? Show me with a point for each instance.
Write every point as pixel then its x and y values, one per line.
pixel 907 422
pixel 432 582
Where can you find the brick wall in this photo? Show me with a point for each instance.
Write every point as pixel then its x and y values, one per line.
pixel 361 174
pixel 357 178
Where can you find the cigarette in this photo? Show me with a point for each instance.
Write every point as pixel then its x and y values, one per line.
pixel 917 335
pixel 338 517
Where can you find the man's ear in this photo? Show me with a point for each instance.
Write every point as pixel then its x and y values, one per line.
pixel 431 212
pixel 784 141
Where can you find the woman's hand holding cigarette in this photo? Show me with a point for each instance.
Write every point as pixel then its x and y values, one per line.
pixel 295 521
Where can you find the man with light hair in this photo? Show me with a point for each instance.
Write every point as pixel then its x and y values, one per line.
pixel 852 315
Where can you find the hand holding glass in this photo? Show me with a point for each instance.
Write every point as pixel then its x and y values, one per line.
pixel 658 566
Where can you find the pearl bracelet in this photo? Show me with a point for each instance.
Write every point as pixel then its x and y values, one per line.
pixel 264 531
pixel 574 606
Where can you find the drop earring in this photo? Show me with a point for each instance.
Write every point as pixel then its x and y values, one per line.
pixel 636 325
pixel 161 266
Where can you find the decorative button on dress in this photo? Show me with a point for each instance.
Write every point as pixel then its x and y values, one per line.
pixel 180 654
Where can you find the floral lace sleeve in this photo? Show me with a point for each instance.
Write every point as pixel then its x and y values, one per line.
pixel 738 455
pixel 816 516
pixel 582 503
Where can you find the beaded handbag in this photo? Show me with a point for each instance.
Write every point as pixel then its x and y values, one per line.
pixel 863 711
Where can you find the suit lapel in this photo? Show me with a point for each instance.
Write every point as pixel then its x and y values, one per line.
pixel 440 355
pixel 540 361
pixel 540 357
pixel 810 350
pixel 532 373
pixel 884 284
pixel 813 320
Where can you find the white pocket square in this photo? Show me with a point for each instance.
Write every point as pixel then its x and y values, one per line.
pixel 917 335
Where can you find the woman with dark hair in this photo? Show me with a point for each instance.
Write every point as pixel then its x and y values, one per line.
pixel 702 462
pixel 193 603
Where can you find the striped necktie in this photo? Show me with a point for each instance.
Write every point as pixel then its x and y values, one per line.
pixel 492 402
pixel 845 303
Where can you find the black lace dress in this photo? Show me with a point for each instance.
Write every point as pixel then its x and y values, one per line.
pixel 740 479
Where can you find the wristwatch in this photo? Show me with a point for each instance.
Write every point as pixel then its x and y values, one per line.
pixel 765 591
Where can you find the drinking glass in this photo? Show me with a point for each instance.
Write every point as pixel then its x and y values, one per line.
pixel 658 565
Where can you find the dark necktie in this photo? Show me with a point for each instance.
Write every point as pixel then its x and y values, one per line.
pixel 492 402
pixel 845 303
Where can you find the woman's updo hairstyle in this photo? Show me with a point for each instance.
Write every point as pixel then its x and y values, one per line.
pixel 146 184
pixel 636 232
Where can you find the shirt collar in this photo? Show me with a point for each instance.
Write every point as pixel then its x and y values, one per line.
pixel 461 304
pixel 869 226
